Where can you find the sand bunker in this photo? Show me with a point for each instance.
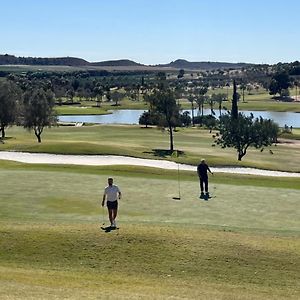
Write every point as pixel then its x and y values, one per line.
pixel 106 160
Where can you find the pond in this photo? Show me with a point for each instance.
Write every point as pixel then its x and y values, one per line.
pixel 130 116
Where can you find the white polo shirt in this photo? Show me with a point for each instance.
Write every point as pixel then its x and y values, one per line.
pixel 111 193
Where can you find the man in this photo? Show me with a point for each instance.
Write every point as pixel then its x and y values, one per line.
pixel 111 194
pixel 203 177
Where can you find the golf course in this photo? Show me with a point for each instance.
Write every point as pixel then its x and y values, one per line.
pixel 243 243
pixel 150 150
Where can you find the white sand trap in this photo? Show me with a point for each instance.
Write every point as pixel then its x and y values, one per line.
pixel 107 160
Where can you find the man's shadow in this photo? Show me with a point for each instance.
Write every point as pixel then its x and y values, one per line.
pixel 109 228
pixel 206 197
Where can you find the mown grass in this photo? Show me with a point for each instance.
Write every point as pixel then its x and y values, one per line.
pixel 79 110
pixel 136 141
pixel 242 244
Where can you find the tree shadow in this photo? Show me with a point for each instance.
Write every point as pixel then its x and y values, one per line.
pixel 165 153
pixel 2 140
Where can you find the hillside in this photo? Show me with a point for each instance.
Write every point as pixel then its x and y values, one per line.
pixel 116 63
pixel 204 65
pixel 7 59
pixel 57 61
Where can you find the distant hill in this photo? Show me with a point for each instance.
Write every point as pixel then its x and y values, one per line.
pixel 7 59
pixel 204 65
pixel 117 63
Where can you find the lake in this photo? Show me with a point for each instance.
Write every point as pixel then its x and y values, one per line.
pixel 130 116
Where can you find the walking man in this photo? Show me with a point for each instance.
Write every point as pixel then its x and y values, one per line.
pixel 203 177
pixel 111 194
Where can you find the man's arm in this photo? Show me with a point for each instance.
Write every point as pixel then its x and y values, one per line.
pixel 103 199
pixel 120 195
pixel 198 171
pixel 209 170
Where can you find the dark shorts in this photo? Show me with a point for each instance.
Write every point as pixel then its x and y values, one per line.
pixel 112 204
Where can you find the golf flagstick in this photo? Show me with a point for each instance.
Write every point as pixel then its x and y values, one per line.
pixel 178 178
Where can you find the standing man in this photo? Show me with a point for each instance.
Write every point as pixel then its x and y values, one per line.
pixel 111 194
pixel 203 177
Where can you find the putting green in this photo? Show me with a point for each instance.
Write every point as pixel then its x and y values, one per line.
pixel 65 197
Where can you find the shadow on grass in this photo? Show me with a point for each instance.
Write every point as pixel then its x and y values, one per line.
pixel 165 153
pixel 109 228
pixel 2 140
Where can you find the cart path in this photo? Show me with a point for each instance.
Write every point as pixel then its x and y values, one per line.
pixel 106 160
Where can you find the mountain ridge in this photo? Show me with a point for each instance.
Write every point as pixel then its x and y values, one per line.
pixel 6 59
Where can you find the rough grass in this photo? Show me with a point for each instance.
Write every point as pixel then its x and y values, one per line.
pixel 242 244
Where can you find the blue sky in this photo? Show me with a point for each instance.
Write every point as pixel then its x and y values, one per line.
pixel 153 31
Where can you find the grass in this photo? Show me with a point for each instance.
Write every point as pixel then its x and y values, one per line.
pixel 79 110
pixel 264 104
pixel 149 143
pixel 242 244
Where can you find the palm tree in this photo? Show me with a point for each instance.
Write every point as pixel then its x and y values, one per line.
pixel 243 88
pixel 201 99
pixel 191 99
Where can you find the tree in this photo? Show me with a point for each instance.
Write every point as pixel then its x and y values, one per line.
pixel 180 73
pixel 70 94
pixel 148 118
pixel 191 99
pixel 234 110
pixel 219 98
pixel 164 104
pixel 241 132
pixel 185 119
pixel 245 132
pixel 9 96
pixel 116 97
pixel 201 98
pixel 161 80
pixel 38 111
pixel 243 88
pixel 211 101
pixel 296 84
pixel 279 82
pixel 98 93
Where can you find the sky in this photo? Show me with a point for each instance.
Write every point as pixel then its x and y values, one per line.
pixel 153 31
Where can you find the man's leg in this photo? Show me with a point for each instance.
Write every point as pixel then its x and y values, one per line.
pixel 201 187
pixel 115 213
pixel 110 215
pixel 206 188
pixel 206 185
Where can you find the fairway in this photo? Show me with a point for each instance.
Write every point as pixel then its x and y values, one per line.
pixel 241 244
